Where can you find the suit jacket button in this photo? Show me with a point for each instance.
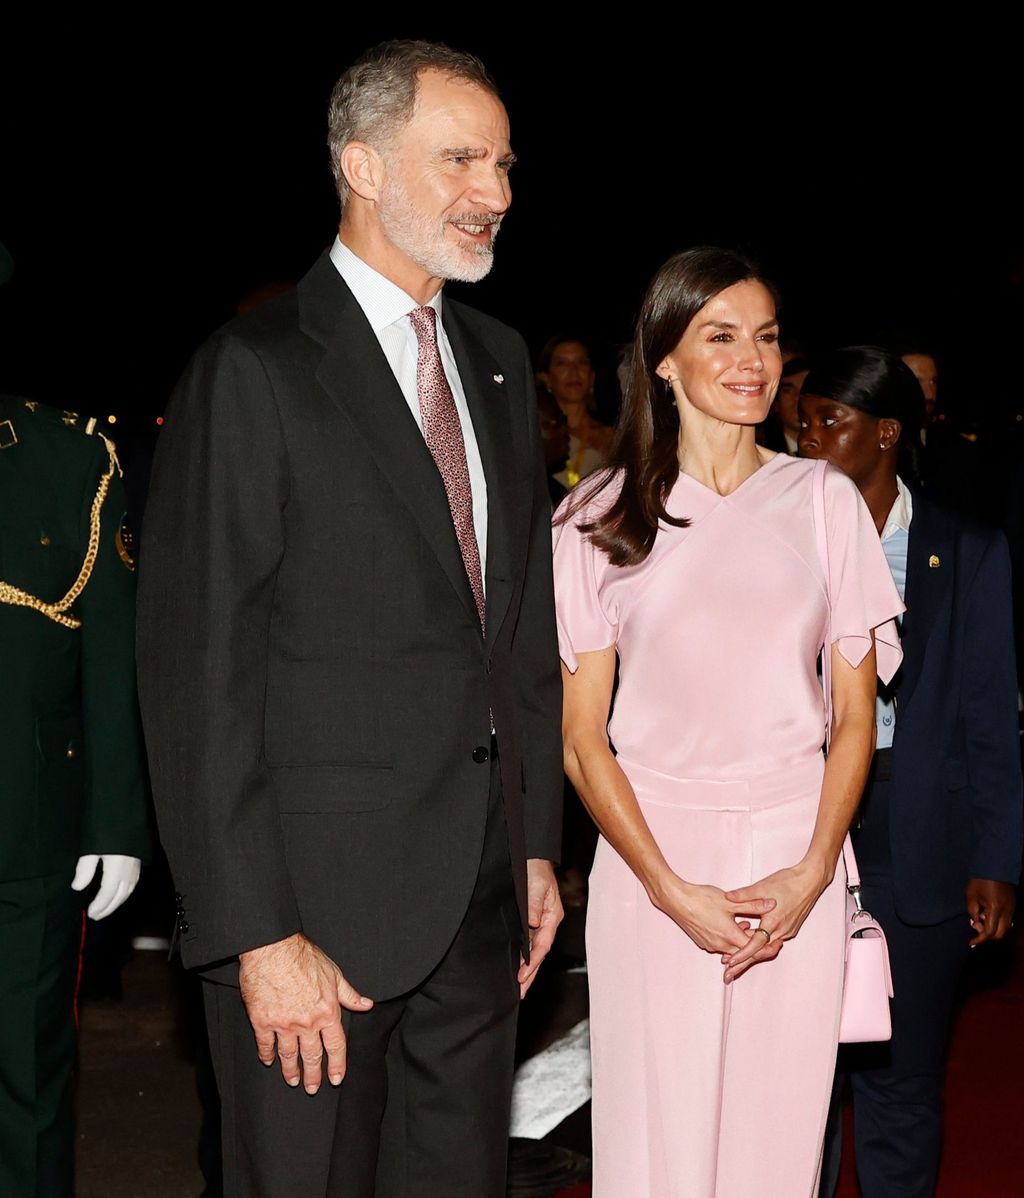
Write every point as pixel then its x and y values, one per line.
pixel 480 754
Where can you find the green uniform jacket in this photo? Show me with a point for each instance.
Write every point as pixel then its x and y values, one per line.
pixel 72 772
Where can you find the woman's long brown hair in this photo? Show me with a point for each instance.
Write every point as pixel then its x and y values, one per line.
pixel 645 451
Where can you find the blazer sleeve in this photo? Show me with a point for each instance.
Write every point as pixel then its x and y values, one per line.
pixel 535 667
pixel 116 816
pixel 988 711
pixel 212 542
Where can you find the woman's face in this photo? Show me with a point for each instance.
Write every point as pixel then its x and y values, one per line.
pixel 727 364
pixel 850 439
pixel 569 376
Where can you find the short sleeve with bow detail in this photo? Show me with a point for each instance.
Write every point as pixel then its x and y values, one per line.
pixel 862 592
pixel 586 611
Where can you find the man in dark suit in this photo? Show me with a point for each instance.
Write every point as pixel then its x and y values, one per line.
pixel 349 675
pixel 939 840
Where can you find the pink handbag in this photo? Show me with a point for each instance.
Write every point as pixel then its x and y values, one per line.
pixel 867 979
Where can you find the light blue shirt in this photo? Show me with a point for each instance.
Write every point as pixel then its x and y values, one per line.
pixel 386 306
pixel 895 542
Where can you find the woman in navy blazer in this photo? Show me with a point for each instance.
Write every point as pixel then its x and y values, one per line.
pixel 939 836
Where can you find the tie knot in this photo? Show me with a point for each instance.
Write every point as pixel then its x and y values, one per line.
pixel 424 324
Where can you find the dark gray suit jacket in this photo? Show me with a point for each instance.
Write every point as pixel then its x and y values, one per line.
pixel 315 687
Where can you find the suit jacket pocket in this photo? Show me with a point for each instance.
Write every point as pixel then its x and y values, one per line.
pixel 310 789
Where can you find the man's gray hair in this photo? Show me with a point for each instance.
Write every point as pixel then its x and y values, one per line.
pixel 376 95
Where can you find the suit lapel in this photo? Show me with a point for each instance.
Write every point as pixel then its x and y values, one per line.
pixel 929 576
pixel 358 378
pixel 489 409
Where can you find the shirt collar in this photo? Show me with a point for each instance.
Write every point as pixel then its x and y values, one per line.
pixel 901 512
pixel 383 302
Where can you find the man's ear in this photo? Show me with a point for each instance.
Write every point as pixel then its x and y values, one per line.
pixel 363 169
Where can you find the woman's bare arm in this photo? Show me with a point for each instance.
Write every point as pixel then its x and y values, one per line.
pixel 798 888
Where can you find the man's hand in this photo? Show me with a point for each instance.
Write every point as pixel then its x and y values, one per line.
pixel 544 913
pixel 293 994
pixel 990 907
pixel 120 877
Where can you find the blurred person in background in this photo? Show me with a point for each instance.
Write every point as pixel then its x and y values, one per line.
pixel 565 369
pixel 925 368
pixel 554 435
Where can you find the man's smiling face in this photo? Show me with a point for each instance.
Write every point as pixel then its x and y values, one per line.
pixel 446 184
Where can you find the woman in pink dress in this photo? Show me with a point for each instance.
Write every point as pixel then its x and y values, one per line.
pixel 715 930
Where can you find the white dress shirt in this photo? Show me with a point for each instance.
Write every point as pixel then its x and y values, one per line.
pixel 386 306
pixel 895 542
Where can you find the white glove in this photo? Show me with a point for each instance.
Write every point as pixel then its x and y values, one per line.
pixel 120 877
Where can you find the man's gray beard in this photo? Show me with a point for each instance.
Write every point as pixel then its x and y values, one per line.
pixel 418 238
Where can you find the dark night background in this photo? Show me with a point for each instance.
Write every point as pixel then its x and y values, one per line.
pixel 156 170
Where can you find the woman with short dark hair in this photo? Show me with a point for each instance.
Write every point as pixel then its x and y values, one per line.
pixel 716 919
pixel 939 834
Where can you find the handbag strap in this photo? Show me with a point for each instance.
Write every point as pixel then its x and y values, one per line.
pixel 821 537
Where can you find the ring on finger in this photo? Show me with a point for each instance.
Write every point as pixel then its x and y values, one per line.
pixel 765 933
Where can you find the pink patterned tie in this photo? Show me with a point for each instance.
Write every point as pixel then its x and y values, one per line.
pixel 442 431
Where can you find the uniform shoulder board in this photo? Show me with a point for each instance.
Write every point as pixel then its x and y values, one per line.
pixel 54 415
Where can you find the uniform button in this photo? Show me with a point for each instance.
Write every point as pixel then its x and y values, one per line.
pixel 71 753
pixel 480 754
pixel 184 925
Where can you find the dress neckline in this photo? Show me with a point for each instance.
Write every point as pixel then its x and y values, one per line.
pixel 710 491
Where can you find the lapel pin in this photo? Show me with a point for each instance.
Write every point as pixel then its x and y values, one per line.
pixel 933 562
pixel 498 378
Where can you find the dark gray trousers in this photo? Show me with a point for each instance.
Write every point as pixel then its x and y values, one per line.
pixel 423 1111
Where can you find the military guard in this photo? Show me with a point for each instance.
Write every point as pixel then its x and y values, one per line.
pixel 72 778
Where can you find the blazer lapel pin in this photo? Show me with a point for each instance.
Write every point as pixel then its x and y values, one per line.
pixel 498 378
pixel 934 562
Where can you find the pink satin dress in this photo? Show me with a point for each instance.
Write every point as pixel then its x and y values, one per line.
pixel 703 1089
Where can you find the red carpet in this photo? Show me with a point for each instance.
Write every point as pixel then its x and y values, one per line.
pixel 982 1155
pixel 984 1087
